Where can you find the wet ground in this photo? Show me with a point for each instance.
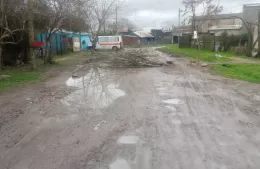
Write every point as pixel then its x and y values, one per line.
pixel 170 117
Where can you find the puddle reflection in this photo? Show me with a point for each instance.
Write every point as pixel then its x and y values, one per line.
pixel 98 87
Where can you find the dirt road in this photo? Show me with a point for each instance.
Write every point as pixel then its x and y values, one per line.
pixel 170 117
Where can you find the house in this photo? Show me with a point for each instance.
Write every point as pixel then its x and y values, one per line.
pixel 144 37
pixel 157 33
pixel 130 40
pixel 217 24
pixel 250 15
pixel 231 23
pixel 179 31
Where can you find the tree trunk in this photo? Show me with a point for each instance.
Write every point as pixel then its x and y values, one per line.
pixel 1 52
pixel 250 43
pixel 46 55
pixel 258 31
pixel 31 34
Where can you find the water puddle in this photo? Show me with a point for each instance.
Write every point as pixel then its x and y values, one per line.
pixel 176 121
pixel 98 125
pixel 97 87
pixel 173 101
pixel 119 163
pixel 171 108
pixel 128 140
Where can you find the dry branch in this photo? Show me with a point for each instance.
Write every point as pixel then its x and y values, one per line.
pixel 134 58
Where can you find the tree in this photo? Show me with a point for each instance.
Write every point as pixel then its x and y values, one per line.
pixel 210 8
pixel 126 23
pixel 57 15
pixel 258 34
pixel 12 22
pixel 31 34
pixel 98 12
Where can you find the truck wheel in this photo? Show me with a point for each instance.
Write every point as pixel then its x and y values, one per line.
pixel 114 48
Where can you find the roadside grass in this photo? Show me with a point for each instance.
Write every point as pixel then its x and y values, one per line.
pixel 23 75
pixel 205 55
pixel 17 77
pixel 244 71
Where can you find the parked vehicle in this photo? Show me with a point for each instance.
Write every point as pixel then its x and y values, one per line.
pixel 109 42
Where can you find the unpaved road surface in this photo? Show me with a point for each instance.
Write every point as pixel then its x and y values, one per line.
pixel 170 117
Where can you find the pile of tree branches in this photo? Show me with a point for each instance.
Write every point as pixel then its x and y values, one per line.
pixel 134 59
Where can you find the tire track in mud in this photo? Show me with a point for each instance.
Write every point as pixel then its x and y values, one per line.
pixel 205 128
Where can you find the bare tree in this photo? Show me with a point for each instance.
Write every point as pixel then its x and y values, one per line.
pixel 98 12
pixel 56 14
pixel 12 22
pixel 258 34
pixel 31 34
pixel 250 29
pixel 126 23
pixel 210 8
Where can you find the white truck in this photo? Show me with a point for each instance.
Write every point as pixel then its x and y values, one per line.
pixel 109 42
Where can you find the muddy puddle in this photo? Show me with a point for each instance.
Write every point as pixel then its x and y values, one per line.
pixel 97 87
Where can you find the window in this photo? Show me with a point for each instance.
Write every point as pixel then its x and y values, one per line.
pixel 114 39
pixel 103 39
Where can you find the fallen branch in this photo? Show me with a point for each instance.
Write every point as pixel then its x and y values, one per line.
pixel 134 59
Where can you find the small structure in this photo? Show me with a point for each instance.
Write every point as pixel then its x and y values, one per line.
pixel 137 37
pixel 177 32
pixel 130 40
pixel 64 41
pixel 144 37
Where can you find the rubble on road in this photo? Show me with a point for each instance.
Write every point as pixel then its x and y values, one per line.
pixel 135 58
pixel 4 77
pixel 169 62
pixel 204 65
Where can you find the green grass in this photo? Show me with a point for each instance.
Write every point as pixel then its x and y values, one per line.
pixel 17 77
pixel 205 55
pixel 244 71
pixel 247 72
pixel 23 75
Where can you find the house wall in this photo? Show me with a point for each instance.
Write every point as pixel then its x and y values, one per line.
pixel 250 14
pixel 229 32
pixel 85 42
pixel 205 25
pixel 61 42
pixel 130 40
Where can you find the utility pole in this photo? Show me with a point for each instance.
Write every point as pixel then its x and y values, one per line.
pixel 1 23
pixel 31 34
pixel 179 25
pixel 258 28
pixel 116 22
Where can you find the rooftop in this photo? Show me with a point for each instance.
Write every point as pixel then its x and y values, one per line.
pixel 143 34
pixel 219 16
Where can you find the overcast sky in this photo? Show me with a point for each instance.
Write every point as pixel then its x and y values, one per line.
pixel 147 14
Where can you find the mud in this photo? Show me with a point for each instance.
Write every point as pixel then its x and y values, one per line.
pixel 166 117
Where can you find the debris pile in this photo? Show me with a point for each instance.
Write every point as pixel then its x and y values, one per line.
pixel 135 58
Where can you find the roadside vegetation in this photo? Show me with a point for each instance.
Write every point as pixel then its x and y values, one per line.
pixel 205 55
pixel 15 77
pixel 244 71
pixel 221 65
pixel 11 77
